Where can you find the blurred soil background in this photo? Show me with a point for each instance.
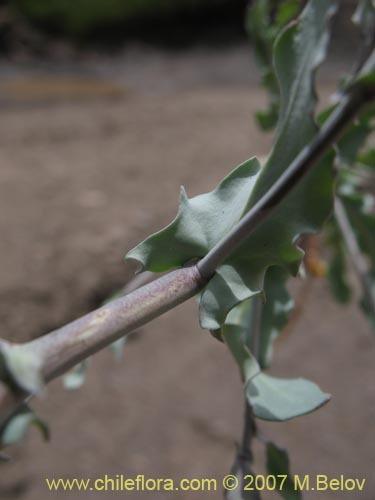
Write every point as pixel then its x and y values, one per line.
pixel 100 124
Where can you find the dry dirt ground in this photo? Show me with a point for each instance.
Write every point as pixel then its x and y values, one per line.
pixel 85 174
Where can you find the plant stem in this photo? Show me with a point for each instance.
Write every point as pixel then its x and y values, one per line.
pixel 358 260
pixel 366 47
pixel 256 318
pixel 247 434
pixel 67 346
pixel 244 457
pixel 63 348
pixel 302 164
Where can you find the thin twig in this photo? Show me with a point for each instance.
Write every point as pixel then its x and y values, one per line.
pixel 67 346
pixel 303 163
pixel 245 453
pixel 62 349
pixel 366 47
pixel 358 260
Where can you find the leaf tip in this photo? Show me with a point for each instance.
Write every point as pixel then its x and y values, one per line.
pixel 133 256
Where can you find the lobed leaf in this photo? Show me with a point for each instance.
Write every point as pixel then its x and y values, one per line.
pixel 263 26
pixel 204 220
pixel 200 223
pixel 298 50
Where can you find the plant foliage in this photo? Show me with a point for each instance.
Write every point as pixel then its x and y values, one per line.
pixel 246 303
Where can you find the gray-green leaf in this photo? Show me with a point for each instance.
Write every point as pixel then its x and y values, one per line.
pixel 275 313
pixel 206 219
pixel 21 366
pixel 75 378
pixel 15 428
pixel 235 334
pixel 201 222
pixel 279 399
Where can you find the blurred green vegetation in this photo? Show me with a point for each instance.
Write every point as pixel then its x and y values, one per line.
pixel 81 18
